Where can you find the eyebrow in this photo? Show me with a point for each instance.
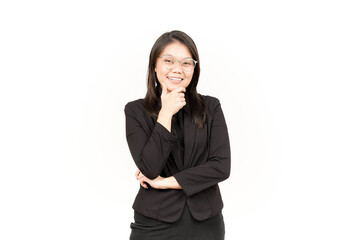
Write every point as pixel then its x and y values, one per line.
pixel 166 54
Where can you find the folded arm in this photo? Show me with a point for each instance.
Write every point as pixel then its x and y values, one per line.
pixel 213 171
pixel 217 167
pixel 150 150
pixel 158 183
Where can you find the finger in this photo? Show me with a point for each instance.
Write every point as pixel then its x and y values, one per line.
pixel 140 175
pixel 181 94
pixel 143 184
pixel 142 178
pixel 181 98
pixel 137 172
pixel 164 89
pixel 178 90
pixel 142 181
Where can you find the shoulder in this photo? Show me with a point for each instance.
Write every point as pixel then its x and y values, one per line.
pixel 210 101
pixel 135 107
pixel 213 106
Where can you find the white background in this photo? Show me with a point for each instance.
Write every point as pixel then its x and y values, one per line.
pixel 286 73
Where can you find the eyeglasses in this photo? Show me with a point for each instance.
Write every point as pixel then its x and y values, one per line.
pixel 187 64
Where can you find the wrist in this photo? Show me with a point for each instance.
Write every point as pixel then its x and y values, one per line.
pixel 170 183
pixel 163 114
pixel 164 118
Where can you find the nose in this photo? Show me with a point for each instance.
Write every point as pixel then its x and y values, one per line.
pixel 177 67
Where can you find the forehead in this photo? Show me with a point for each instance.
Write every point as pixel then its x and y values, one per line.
pixel 177 50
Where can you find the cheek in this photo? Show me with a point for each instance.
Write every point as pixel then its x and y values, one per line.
pixel 160 71
pixel 189 77
pixel 157 68
pixel 188 81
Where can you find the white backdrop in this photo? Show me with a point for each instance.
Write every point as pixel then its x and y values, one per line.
pixel 286 73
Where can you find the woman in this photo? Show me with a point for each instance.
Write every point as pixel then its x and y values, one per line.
pixel 179 142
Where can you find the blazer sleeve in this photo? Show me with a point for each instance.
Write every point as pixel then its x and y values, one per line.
pixel 217 167
pixel 150 151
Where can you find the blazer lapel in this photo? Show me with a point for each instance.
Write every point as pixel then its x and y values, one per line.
pixel 189 135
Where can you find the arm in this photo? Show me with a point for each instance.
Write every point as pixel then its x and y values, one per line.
pixel 150 152
pixel 157 183
pixel 217 167
pixel 196 179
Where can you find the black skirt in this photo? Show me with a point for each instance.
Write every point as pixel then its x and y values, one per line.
pixel 186 228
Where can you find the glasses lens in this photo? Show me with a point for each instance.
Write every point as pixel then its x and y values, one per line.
pixel 168 61
pixel 186 65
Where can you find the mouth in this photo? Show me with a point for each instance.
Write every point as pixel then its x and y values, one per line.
pixel 175 79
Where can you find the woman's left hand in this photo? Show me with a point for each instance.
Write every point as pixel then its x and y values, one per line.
pixel 157 183
pixel 154 183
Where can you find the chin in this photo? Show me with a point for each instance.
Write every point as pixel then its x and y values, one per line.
pixel 172 86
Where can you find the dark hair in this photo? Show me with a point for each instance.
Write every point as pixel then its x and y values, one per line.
pixel 152 101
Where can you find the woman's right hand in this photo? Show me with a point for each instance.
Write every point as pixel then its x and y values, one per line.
pixel 172 102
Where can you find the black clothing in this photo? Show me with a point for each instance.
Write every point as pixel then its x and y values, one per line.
pixel 198 166
pixel 186 228
pixel 178 129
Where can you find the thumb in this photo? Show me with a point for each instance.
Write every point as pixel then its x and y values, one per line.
pixel 164 89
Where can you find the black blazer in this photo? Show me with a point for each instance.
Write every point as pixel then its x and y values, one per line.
pixel 206 162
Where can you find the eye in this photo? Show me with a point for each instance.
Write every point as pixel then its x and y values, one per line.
pixel 168 60
pixel 187 63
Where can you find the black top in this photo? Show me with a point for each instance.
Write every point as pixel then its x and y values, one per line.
pixel 177 126
pixel 204 163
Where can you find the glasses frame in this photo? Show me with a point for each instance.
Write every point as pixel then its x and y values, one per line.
pixel 178 61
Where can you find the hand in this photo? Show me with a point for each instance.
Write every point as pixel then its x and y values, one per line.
pixel 157 183
pixel 172 102
pixel 154 183
pixel 138 176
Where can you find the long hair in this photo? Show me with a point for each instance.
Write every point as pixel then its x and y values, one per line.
pixel 152 101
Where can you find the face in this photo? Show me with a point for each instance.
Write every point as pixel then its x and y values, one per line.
pixel 175 77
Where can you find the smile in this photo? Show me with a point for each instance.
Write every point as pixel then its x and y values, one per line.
pixel 175 79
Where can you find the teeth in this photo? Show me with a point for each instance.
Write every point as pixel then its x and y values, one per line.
pixel 176 79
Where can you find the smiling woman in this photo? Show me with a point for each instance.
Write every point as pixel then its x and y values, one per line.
pixel 169 72
pixel 180 144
